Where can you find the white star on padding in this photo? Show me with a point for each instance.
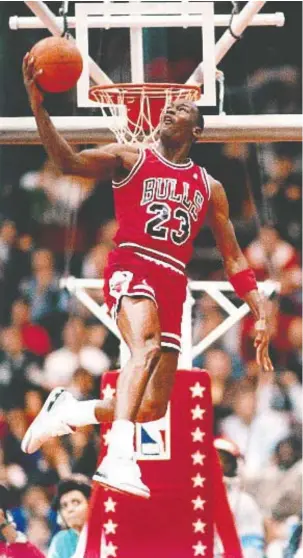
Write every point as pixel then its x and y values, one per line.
pixel 110 505
pixel 197 412
pixel 110 527
pixel 199 526
pixel 198 458
pixel 198 435
pixel 108 392
pixel 198 481
pixel 110 550
pixel 198 503
pixel 197 390
pixel 199 549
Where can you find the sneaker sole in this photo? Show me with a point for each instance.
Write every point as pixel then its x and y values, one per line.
pixel 122 488
pixel 48 405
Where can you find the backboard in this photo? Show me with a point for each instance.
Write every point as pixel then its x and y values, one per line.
pixel 137 15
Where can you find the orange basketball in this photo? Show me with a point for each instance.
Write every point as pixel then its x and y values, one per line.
pixel 61 62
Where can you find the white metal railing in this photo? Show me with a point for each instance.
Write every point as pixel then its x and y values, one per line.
pixel 214 289
pixel 276 19
pixel 218 128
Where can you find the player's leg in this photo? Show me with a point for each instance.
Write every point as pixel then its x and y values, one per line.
pixel 159 387
pixel 139 326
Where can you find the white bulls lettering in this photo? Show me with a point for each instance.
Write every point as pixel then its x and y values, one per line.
pixel 161 189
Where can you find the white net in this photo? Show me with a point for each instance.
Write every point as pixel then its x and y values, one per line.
pixel 144 104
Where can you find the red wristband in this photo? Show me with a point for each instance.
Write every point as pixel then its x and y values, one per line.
pixel 244 282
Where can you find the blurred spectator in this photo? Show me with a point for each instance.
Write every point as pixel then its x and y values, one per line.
pixel 107 233
pixel 285 346
pixel 17 367
pixel 14 265
pixel 8 235
pixel 278 486
pixel 95 261
pixel 38 533
pixel 84 447
pixel 248 516
pixel 42 290
pixel 13 544
pixel 71 504
pixel 35 337
pixel 294 336
pixel 60 365
pixel 279 530
pixel 219 365
pixel 269 253
pixel 256 434
pixel 47 301
pixel 207 316
pixel 82 385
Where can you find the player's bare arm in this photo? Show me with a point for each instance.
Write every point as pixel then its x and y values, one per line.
pixel 235 262
pixel 112 161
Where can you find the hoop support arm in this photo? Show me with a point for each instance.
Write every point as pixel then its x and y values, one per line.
pixel 47 19
pixel 240 23
pixel 218 128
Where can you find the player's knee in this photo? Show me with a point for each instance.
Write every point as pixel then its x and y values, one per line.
pixel 148 357
pixel 151 410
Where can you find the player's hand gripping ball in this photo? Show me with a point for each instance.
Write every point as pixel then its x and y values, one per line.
pixel 58 64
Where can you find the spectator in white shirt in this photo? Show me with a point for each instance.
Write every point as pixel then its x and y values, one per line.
pixel 61 364
pixel 256 434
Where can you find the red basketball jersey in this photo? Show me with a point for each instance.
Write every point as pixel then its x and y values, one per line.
pixel 160 207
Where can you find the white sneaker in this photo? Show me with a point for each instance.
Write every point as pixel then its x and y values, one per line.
pixel 122 475
pixel 49 422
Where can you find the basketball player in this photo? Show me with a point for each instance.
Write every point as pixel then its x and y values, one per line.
pixel 161 200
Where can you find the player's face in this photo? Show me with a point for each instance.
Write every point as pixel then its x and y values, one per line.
pixel 179 121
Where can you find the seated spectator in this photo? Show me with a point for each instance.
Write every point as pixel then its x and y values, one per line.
pixel 278 486
pixel 34 503
pixel 94 262
pixel 279 530
pixel 35 337
pixel 8 235
pixel 285 345
pixel 256 434
pixel 247 514
pixel 207 316
pixel 60 365
pixel 13 544
pixel 294 337
pixel 17 367
pixel 219 365
pixel 83 450
pixel 42 292
pixel 270 252
pixel 13 267
pixel 71 504
pixel 82 385
pixel 38 533
pixel 107 233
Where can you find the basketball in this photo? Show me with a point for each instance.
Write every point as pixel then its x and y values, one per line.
pixel 61 62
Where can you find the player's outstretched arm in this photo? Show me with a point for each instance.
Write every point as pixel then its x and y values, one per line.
pixel 101 164
pixel 237 270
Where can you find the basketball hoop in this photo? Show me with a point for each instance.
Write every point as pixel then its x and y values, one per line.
pixel 144 103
